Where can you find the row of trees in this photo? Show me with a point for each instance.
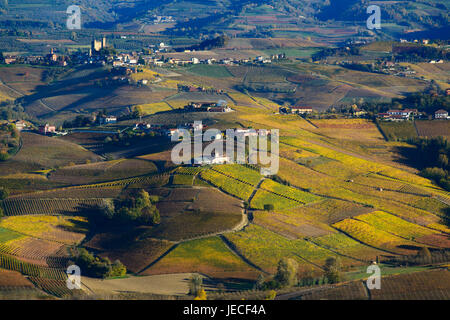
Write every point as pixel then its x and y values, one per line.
pixel 287 275
pixel 10 110
pixel 429 102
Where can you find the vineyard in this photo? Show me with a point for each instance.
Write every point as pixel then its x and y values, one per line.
pixel 71 193
pixel 372 236
pixel 265 248
pixel 429 285
pixel 148 180
pixel 11 263
pixel 433 128
pixel 54 287
pixel 61 229
pixel 239 172
pixel 347 246
pixel 228 185
pixel 394 131
pixel 348 291
pixel 263 198
pixel 17 206
pixel 193 171
pixel 34 249
pixel 208 256
pixel 289 192
pixel 182 179
pixel 392 224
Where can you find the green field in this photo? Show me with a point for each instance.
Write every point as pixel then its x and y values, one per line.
pixel 7 235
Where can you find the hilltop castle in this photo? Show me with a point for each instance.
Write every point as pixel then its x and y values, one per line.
pixel 96 46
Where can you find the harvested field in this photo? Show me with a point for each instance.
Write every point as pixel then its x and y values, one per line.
pixel 168 284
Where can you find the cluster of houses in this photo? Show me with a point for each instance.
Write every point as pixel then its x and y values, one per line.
pixel 165 130
pixel 398 115
pixel 207 107
pixel 407 114
pixel 224 61
pixel 51 59
pixel 185 88
pixel 296 110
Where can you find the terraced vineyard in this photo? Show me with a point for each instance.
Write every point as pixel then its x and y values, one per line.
pixel 374 237
pixel 345 245
pixel 263 198
pixel 289 192
pixel 392 224
pixel 236 188
pixel 240 172
pixel 189 170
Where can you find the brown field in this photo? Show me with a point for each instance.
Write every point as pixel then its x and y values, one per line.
pixel 20 74
pixel 13 279
pixel 167 284
pixel 349 129
pixel 86 138
pixel 428 285
pixel 213 200
pixel 136 256
pixel 102 171
pixel 348 291
pixel 437 240
pixel 433 128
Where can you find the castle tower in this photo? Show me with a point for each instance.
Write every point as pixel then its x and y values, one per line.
pixel 104 43
pixel 96 45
